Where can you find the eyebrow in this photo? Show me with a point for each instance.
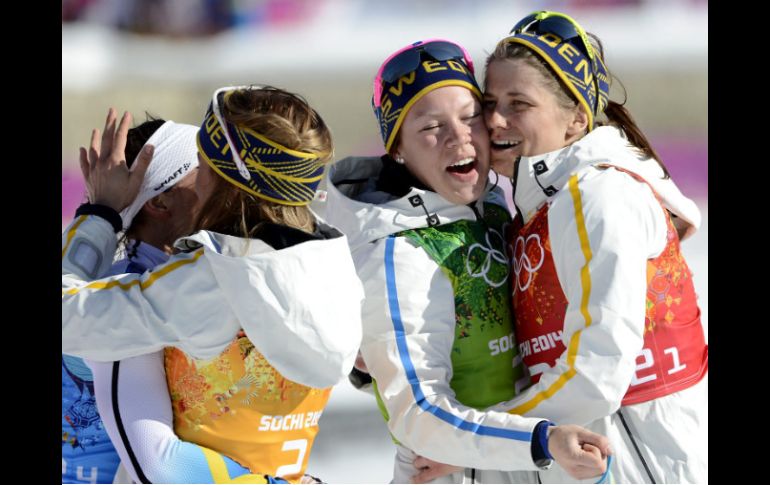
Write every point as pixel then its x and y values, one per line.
pixel 509 93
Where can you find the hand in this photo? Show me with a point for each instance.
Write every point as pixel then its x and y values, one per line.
pixel 309 479
pixel 430 470
pixel 580 452
pixel 108 179
pixel 360 364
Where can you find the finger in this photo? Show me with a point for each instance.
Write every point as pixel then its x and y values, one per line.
pixel 143 160
pixel 360 364
pixel 421 462
pixel 582 472
pixel 140 167
pixel 94 148
pixel 592 447
pixel 592 457
pixel 426 476
pixel 84 167
pixel 601 442
pixel 433 472
pixel 589 463
pixel 121 135
pixel 109 133
pixel 419 478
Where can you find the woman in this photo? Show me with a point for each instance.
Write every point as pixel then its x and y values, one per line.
pixel 606 315
pixel 426 235
pixel 158 215
pixel 259 263
pixel 142 429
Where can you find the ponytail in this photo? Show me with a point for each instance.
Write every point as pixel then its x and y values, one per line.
pixel 619 116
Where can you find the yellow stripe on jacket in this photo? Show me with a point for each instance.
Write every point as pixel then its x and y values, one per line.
pixel 585 281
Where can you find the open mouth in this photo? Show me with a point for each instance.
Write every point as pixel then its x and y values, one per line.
pixel 503 144
pixel 463 166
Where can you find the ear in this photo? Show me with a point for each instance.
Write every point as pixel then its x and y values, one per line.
pixel 158 207
pixel 577 122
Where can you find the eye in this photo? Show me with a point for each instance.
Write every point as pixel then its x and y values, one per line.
pixel 488 104
pixel 472 117
pixel 432 126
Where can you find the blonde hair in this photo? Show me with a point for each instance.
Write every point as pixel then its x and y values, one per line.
pixel 287 119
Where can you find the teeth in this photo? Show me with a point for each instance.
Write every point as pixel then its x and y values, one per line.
pixel 505 143
pixel 464 161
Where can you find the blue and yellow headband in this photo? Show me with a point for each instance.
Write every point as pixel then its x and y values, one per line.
pixel 563 44
pixel 436 65
pixel 254 163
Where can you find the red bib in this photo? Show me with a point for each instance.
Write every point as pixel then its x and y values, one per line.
pixel 675 354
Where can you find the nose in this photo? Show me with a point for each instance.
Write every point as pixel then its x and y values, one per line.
pixel 459 134
pixel 495 119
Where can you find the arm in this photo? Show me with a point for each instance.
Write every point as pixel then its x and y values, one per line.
pixel 144 314
pixel 408 333
pixel 195 302
pixel 133 401
pixel 145 311
pixel 601 259
pixel 580 452
pixel 142 429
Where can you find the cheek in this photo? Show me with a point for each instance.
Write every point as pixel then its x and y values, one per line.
pixel 480 135
pixel 187 197
pixel 522 120
pixel 425 147
pixel 533 129
pixel 202 181
pixel 429 142
pixel 192 197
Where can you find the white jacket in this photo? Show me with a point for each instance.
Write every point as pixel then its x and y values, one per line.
pixel 300 306
pixel 625 227
pixel 409 327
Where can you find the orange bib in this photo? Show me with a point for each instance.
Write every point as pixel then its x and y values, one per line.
pixel 238 404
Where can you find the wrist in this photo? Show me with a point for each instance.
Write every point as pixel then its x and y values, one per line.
pixel 105 212
pixel 541 456
pixel 548 430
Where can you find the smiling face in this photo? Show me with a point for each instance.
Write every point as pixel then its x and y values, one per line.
pixel 524 116
pixel 445 144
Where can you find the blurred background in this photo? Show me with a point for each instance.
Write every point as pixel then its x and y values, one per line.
pixel 165 57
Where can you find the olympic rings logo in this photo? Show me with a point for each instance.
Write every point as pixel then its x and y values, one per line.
pixel 522 250
pixel 492 254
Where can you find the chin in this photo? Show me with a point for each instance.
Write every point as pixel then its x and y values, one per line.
pixel 471 195
pixel 503 165
pixel 459 198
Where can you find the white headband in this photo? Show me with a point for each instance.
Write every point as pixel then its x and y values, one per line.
pixel 176 153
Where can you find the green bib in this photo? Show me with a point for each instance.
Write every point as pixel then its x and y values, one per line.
pixel 472 254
